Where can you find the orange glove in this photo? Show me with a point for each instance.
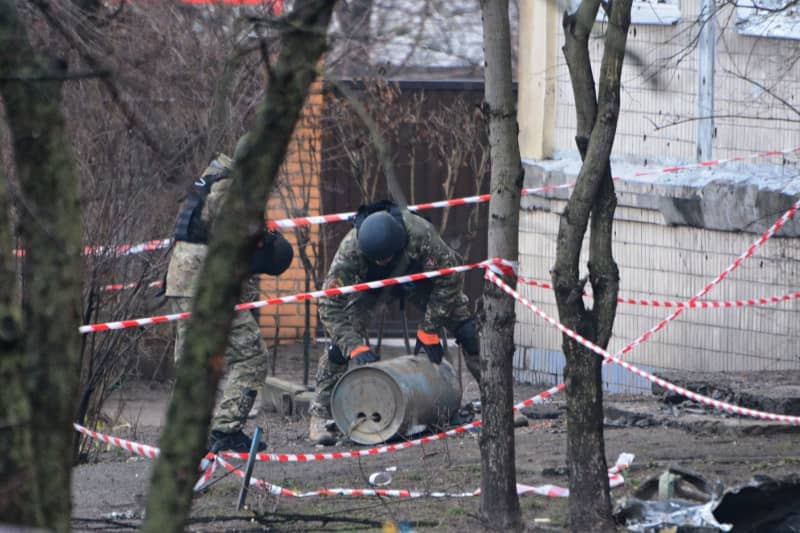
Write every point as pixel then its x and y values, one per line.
pixel 363 355
pixel 432 345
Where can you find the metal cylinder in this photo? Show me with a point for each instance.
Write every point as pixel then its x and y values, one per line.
pixel 395 397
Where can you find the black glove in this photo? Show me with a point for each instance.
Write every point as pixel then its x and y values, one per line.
pixel 364 356
pixel 467 337
pixel 432 345
pixel 335 355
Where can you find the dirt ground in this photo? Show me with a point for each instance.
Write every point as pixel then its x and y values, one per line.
pixel 109 492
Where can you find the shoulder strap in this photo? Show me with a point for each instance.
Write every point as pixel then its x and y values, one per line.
pixel 190 226
pixel 382 205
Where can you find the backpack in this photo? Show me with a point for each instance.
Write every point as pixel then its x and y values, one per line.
pixel 190 226
pixel 382 205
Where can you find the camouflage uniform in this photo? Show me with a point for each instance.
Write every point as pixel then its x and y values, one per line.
pixel 347 317
pixel 246 354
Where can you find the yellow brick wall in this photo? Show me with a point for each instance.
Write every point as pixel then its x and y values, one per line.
pixel 297 193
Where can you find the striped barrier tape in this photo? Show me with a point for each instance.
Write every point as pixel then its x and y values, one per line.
pixel 325 293
pixel 208 473
pixel 508 267
pixel 691 303
pixel 465 200
pixel 118 250
pixel 386 448
pixel 297 222
pixel 128 249
pixel 752 413
pixel 153 452
pixel 764 237
pixel 715 162
pixel 145 450
pixel 552 491
pixel 706 304
pixel 113 287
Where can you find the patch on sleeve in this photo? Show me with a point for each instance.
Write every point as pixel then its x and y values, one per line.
pixel 334 283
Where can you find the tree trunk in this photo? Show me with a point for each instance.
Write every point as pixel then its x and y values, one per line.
pixel 240 226
pixel 589 503
pixel 499 505
pixel 39 342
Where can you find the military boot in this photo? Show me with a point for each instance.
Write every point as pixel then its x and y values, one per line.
pixel 237 441
pixel 322 431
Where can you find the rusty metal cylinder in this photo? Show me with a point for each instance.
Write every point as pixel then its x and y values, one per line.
pixel 395 397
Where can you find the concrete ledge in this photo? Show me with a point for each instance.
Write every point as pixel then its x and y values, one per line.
pixel 728 197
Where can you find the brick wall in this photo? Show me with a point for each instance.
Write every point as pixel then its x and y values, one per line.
pixel 297 193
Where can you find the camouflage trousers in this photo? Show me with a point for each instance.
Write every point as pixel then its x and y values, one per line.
pixel 328 374
pixel 246 361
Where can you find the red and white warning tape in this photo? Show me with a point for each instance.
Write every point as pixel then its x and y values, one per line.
pixel 90 328
pixel 144 450
pixel 119 250
pixel 764 237
pixel 209 466
pixel 716 162
pixel 325 293
pixel 152 452
pixel 707 304
pixel 552 491
pixel 210 461
pixel 716 304
pixel 784 419
pixel 111 287
pixel 130 249
pixel 507 267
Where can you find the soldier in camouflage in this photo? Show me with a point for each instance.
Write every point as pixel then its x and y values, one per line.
pixel 246 354
pixel 387 241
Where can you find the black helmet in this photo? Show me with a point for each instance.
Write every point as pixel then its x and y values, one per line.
pixel 381 235
pixel 272 255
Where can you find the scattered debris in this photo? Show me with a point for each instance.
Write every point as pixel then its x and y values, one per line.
pixel 770 391
pixel 763 504
pixel 685 501
pixel 382 478
pixel 675 499
pixel 618 418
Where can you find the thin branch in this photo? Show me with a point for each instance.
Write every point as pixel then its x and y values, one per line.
pixel 97 64
pixel 678 122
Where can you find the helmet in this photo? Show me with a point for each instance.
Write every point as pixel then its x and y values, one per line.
pixel 272 255
pixel 242 145
pixel 381 235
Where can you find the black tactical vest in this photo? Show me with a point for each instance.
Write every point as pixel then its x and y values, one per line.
pixel 190 226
